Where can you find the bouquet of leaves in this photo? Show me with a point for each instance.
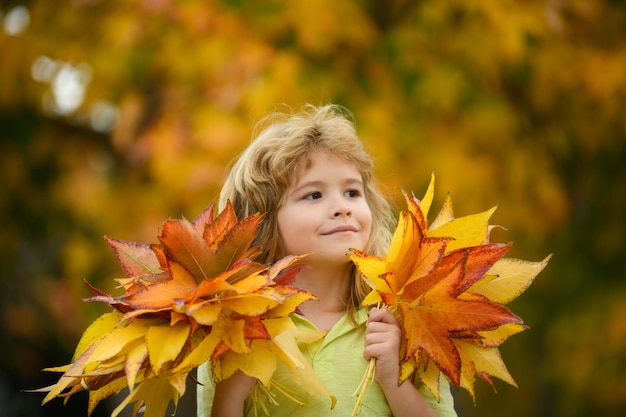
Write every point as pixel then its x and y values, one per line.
pixel 196 296
pixel 447 285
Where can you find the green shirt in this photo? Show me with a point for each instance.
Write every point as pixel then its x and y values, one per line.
pixel 338 361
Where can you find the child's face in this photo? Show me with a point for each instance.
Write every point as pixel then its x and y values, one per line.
pixel 325 211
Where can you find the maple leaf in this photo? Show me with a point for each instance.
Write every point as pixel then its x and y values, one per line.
pixel 433 319
pixel 448 286
pixel 197 295
pixel 265 354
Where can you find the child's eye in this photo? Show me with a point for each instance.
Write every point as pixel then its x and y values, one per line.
pixel 353 193
pixel 313 196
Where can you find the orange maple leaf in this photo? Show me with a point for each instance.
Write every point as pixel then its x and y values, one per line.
pixel 434 317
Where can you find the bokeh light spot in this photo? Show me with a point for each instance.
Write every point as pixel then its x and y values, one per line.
pixel 16 21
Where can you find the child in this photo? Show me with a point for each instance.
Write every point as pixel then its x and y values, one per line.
pixel 311 176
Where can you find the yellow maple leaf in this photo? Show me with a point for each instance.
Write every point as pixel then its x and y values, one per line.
pixel 261 362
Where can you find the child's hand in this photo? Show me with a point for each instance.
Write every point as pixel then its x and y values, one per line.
pixel 382 341
pixel 231 393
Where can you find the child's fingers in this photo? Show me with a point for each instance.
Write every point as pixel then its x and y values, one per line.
pixel 381 338
pixel 382 327
pixel 382 315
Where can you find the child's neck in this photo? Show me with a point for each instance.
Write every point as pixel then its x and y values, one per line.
pixel 323 320
pixel 331 289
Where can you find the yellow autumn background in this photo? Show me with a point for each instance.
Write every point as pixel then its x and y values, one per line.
pixel 115 115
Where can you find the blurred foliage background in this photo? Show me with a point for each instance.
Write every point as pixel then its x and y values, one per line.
pixel 117 114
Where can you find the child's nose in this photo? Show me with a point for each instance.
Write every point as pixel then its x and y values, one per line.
pixel 343 211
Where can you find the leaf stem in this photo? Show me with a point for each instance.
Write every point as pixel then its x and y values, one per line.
pixel 261 391
pixel 367 379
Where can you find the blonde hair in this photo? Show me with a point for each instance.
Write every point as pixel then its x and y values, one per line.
pixel 258 181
